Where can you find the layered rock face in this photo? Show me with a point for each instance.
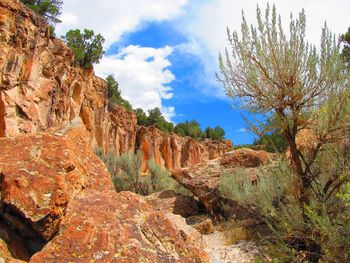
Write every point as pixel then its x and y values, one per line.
pixel 54 188
pixel 173 151
pixel 41 88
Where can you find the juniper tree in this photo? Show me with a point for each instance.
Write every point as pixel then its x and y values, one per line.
pixel 50 9
pixel 86 46
pixel 271 73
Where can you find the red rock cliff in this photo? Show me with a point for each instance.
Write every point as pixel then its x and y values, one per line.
pixel 41 88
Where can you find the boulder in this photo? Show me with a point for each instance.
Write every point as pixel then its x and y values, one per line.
pixel 245 158
pixel 111 227
pixel 57 194
pixel 203 180
pixel 41 173
pixel 202 223
pixel 171 202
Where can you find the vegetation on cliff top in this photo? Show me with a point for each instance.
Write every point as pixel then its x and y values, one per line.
pixel 86 46
pixel 50 9
pixel 300 199
pixel 156 118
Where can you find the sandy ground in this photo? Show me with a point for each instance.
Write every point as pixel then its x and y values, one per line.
pixel 220 252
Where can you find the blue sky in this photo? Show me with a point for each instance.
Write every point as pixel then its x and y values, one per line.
pixel 164 52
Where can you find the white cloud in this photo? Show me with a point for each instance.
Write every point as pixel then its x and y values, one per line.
pixel 112 18
pixel 242 130
pixel 68 20
pixel 142 75
pixel 207 21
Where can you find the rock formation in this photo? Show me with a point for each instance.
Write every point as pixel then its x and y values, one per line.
pixel 59 204
pixel 40 88
pixel 204 179
pixel 173 151
pixel 57 201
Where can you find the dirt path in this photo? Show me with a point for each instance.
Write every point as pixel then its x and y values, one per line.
pixel 221 252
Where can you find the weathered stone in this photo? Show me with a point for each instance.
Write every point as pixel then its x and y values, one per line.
pixel 204 179
pixel 41 173
pixel 122 133
pixel 12 249
pixel 174 152
pixel 245 158
pixel 169 201
pixel 202 223
pixel 110 227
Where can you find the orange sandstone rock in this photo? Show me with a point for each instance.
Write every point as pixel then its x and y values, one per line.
pixel 110 227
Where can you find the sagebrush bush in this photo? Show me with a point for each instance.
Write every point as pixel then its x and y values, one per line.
pixel 274 200
pixel 126 175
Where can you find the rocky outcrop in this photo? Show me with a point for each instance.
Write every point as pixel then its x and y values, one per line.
pixel 122 131
pixel 173 151
pixel 12 249
pixel 40 174
pixel 54 188
pixel 110 227
pixel 202 223
pixel 203 180
pixel 244 157
pixel 174 203
pixel 39 85
pixel 41 88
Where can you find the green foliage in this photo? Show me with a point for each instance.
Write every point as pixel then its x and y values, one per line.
pixel 154 118
pixel 86 46
pixel 160 178
pixel 272 142
pixel 189 128
pixel 242 146
pixel 192 129
pixel 345 39
pixel 50 9
pixel 114 96
pixel 141 117
pixel 126 175
pixel 272 74
pixel 217 133
pixel 271 137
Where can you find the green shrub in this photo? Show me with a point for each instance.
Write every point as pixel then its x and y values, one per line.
pixel 126 175
pixel 86 46
pixel 274 200
pixel 114 94
pixel 50 9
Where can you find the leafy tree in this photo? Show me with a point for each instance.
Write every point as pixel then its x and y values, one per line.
pixel 189 128
pixel 217 133
pixel 271 137
pixel 141 117
pixel 87 47
pixel 156 118
pixel 50 9
pixel 114 95
pixel 272 73
pixel 345 39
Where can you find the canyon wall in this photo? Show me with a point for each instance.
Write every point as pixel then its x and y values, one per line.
pixel 40 88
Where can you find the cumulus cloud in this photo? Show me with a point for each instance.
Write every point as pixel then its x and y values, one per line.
pixel 143 76
pixel 206 23
pixel 113 18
